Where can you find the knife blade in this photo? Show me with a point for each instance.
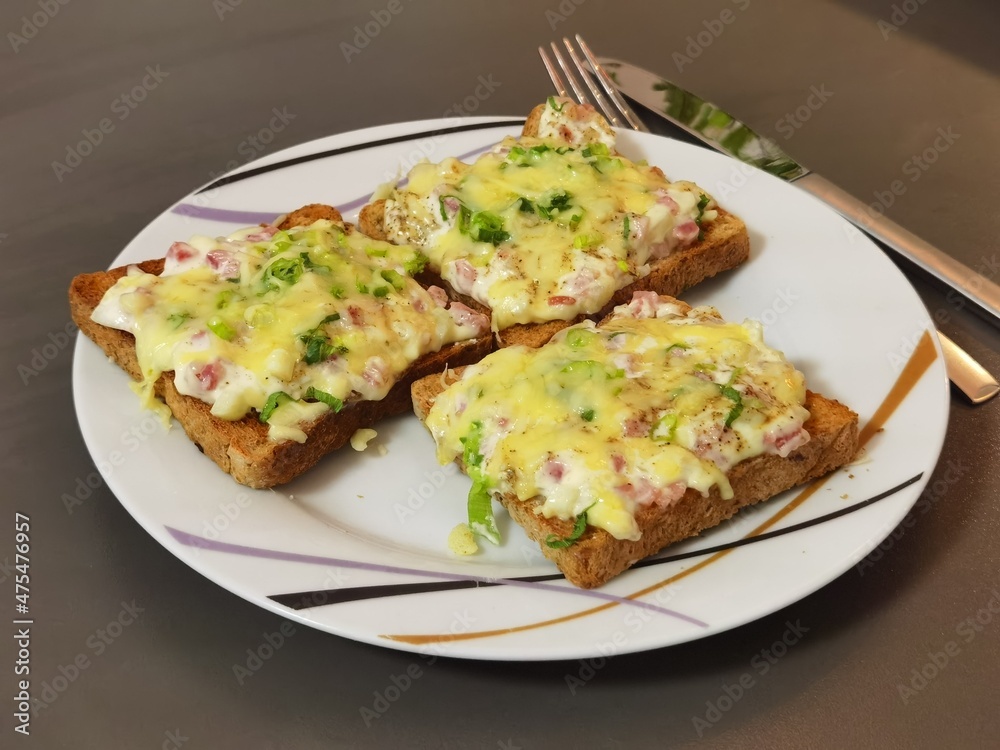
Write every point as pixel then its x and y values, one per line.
pixel 721 131
pixel 705 122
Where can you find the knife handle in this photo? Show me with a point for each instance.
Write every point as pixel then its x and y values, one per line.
pixel 955 274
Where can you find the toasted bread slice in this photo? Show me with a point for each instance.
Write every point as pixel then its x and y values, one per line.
pixel 598 556
pixel 242 448
pixel 724 245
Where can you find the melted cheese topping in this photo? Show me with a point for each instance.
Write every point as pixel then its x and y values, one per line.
pixel 608 420
pixel 546 228
pixel 301 321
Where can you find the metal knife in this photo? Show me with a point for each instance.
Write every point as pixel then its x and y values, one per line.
pixel 721 131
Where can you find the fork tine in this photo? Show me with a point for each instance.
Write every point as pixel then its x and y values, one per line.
pixel 581 95
pixel 609 86
pixel 557 81
pixel 602 102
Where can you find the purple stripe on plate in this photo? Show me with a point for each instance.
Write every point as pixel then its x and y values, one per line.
pixel 193 540
pixel 245 218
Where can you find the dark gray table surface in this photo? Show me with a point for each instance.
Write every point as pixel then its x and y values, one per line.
pixel 167 679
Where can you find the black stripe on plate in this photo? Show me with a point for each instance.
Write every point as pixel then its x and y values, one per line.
pixel 307 599
pixel 230 179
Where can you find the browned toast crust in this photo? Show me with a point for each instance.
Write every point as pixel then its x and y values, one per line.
pixel 598 557
pixel 242 448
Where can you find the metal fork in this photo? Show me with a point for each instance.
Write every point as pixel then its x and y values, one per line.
pixel 970 377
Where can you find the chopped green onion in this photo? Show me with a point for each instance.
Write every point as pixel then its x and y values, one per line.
pixel 338 292
pixel 586 240
pixel 623 266
pixel 177 319
pixel 525 206
pixel 317 395
pixel 480 507
pixel 284 270
pixel 275 400
pixel 221 328
pixel 587 415
pixel 332 318
pixel 415 264
pixel 552 103
pixel 677 346
pixel 485 226
pixel 665 429
pixel 376 252
pixel 363 288
pixel 737 398
pixel 596 149
pixel 554 542
pixel 574 220
pixel 470 454
pixel 380 291
pixel 626 228
pixel 578 337
pixel 224 298
pixel 394 278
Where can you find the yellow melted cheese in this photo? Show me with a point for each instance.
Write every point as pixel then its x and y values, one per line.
pixel 538 229
pixel 319 314
pixel 634 412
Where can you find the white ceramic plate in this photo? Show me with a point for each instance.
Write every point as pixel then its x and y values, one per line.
pixel 370 530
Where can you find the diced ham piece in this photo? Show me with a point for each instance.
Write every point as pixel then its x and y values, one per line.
pixel 465 276
pixel 376 372
pixel 224 264
pixel 561 299
pixel 687 231
pixel 581 283
pixel 784 444
pixel 636 427
pixel 180 252
pixel 439 295
pixel 263 234
pixel 554 469
pixel 209 375
pixel 664 199
pixel 451 206
pixel 644 492
pixel 464 315
pixel 356 315
pixel 643 305
pixel 618 462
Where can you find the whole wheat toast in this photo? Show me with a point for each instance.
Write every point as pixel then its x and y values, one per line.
pixel 724 245
pixel 598 557
pixel 242 448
